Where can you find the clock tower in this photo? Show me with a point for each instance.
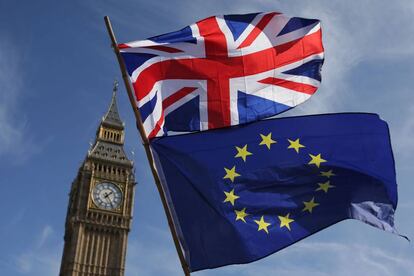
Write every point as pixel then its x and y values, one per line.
pixel 100 204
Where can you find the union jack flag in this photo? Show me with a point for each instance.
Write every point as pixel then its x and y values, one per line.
pixel 223 71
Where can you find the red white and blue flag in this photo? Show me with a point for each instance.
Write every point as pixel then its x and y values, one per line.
pixel 224 71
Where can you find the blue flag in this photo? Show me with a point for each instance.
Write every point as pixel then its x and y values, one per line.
pixel 240 194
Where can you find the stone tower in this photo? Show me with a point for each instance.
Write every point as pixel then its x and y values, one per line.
pixel 100 204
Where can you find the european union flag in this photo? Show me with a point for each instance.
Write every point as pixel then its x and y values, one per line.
pixel 240 194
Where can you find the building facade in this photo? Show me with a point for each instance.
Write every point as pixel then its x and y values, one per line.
pixel 100 206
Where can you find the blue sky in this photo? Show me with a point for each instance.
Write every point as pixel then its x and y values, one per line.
pixel 56 74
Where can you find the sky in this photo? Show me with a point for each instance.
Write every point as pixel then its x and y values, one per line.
pixel 56 75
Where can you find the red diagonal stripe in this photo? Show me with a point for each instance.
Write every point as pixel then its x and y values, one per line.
pixel 177 96
pixel 163 48
pixel 257 30
pixel 157 127
pixel 296 86
pixel 123 46
pixel 283 54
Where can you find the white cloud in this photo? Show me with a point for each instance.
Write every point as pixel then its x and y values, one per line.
pixel 45 234
pixel 317 258
pixel 352 34
pixel 41 258
pixel 15 141
pixel 327 258
pixel 404 133
pixel 152 257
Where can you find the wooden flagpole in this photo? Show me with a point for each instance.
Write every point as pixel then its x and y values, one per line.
pixel 145 142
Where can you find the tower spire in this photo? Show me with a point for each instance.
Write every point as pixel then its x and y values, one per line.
pixel 108 145
pixel 111 117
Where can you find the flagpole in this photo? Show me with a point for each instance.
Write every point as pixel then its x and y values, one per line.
pixel 146 144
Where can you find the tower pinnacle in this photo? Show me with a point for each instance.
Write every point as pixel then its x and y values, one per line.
pixel 108 145
pixel 111 117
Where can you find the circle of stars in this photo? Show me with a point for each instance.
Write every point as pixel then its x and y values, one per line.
pixel 285 221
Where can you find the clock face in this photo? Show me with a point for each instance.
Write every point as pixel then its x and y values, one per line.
pixel 107 196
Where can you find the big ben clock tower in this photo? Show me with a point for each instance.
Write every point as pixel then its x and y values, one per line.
pixel 100 204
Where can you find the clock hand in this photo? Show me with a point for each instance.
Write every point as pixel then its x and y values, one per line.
pixel 106 196
pixel 108 200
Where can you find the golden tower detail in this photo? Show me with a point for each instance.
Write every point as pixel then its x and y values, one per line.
pixel 100 207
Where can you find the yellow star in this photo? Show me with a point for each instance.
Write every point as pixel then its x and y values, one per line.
pixel 230 197
pixel 243 153
pixel 231 173
pixel 240 215
pixel 296 145
pixel 325 186
pixel 309 205
pixel 285 221
pixel 316 159
pixel 328 174
pixel 262 225
pixel 267 140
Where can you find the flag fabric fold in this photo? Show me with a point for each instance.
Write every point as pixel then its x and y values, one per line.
pixel 224 71
pixel 242 193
